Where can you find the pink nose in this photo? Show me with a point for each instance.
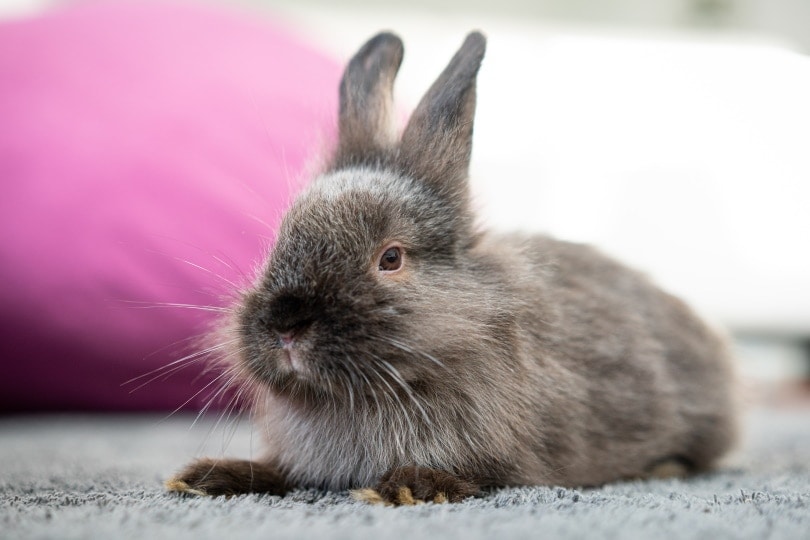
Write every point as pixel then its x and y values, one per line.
pixel 286 338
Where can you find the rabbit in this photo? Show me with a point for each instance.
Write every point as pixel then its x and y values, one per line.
pixel 394 348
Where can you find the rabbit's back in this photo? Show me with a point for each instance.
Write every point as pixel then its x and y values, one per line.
pixel 626 375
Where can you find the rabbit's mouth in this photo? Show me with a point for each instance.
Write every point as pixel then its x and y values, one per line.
pixel 292 359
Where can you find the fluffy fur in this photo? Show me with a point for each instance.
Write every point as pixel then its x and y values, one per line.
pixel 487 360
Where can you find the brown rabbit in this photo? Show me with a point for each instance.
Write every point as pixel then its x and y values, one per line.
pixel 391 344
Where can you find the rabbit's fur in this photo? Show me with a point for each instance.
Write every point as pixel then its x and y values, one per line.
pixel 486 360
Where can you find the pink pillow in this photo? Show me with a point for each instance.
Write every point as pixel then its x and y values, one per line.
pixel 146 152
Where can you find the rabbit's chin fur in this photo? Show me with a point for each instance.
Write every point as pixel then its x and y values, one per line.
pixel 502 359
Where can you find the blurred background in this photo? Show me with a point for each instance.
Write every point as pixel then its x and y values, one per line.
pixel 672 134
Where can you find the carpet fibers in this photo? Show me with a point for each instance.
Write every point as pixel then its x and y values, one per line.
pixel 101 477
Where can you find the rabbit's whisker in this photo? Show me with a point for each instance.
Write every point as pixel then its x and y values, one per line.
pixel 172 367
pixel 197 393
pixel 230 407
pixel 233 286
pixel 394 398
pixel 369 386
pixel 158 305
pixel 191 357
pixel 403 347
pixel 397 376
pixel 232 374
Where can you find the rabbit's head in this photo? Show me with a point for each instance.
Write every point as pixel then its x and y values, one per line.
pixel 371 284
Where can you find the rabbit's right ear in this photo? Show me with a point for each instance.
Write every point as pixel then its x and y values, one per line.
pixel 365 124
pixel 437 142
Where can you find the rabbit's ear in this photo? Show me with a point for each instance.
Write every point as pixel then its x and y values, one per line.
pixel 366 129
pixel 437 141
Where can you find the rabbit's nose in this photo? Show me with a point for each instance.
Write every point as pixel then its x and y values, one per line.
pixel 286 339
pixel 290 315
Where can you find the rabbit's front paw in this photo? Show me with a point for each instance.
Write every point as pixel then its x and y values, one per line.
pixel 227 477
pixel 416 485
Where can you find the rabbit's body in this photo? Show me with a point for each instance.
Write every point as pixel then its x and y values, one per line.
pixel 389 342
pixel 603 379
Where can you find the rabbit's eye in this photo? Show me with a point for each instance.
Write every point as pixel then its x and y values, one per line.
pixel 391 259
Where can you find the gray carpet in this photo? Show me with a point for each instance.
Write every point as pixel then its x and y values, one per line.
pixel 100 477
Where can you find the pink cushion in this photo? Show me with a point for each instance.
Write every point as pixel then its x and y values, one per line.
pixel 146 151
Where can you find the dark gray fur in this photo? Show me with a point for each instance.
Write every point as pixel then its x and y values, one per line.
pixel 502 359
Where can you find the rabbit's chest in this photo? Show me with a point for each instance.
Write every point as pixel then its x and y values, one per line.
pixel 353 449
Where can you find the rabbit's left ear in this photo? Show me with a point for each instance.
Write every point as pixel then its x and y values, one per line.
pixel 437 142
pixel 366 129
